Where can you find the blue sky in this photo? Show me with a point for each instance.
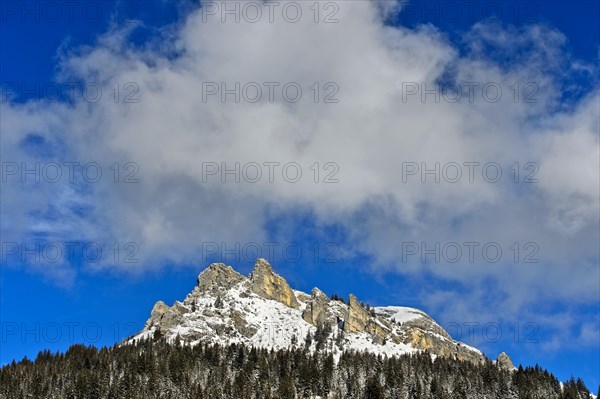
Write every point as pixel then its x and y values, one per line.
pixel 353 235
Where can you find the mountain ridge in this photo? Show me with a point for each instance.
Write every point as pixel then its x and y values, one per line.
pixel 262 310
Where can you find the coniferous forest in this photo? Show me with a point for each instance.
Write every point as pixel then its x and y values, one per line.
pixel 157 369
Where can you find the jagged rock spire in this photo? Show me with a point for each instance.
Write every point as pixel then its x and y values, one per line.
pixel 267 284
pixel 504 362
pixel 357 318
pixel 317 310
pixel 220 275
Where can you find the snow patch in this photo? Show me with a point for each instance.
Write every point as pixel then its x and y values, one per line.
pixel 400 313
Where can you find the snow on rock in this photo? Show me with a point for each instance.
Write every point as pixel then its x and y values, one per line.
pixel 263 311
pixel 400 314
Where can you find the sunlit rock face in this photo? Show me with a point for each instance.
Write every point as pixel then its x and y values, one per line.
pixel 262 310
pixel 267 284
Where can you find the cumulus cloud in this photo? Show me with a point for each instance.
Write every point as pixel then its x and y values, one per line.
pixel 380 126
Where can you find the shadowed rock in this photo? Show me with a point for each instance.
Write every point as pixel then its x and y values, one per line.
pixel 164 317
pixel 318 310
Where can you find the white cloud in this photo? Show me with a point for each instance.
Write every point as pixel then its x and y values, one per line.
pixel 369 134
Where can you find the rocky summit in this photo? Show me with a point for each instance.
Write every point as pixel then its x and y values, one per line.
pixel 262 310
pixel 267 284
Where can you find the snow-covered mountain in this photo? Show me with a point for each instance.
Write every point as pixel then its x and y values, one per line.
pixel 262 310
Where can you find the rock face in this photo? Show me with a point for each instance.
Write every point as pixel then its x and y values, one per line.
pixel 267 284
pixel 318 310
pixel 241 325
pixel 165 317
pixel 218 275
pixel 159 309
pixel 504 362
pixel 262 310
pixel 358 317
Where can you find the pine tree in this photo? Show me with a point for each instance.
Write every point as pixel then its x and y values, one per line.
pixel 157 369
pixel 374 390
pixel 308 339
pixel 286 388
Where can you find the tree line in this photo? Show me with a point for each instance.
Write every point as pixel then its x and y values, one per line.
pixel 154 368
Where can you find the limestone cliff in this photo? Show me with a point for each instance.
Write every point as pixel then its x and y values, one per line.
pixel 218 275
pixel 321 310
pixel 267 284
pixel 165 317
pixel 357 318
pixel 263 310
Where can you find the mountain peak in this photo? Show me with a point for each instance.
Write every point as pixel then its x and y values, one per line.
pixel 262 265
pixel 265 283
pixel 263 310
pixel 219 275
